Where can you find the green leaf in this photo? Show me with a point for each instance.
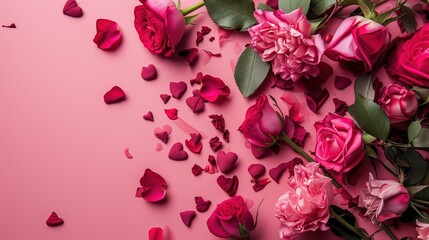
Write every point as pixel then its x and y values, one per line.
pixel 237 14
pixel 289 5
pixel 422 140
pixel 190 19
pixel 363 86
pixel 263 6
pixel 414 130
pixel 370 117
pixel 337 228
pixel 408 18
pixel 320 6
pixel 418 167
pixel 250 71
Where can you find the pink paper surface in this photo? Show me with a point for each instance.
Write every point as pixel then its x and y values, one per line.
pixel 61 146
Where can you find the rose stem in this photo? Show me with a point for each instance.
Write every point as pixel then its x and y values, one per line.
pixel 192 8
pixel 348 226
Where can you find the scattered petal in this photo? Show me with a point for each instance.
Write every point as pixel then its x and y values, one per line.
pixel 154 187
pixel 187 217
pixel 213 88
pixel 148 116
pixel 215 144
pixel 108 36
pixel 342 82
pixel 197 79
pixel 13 25
pixel 53 220
pixel 205 30
pixel 196 104
pixel 218 122
pixel 211 39
pixel 256 170
pixel 197 170
pixel 171 113
pixel 191 55
pixel 200 38
pixel 127 153
pixel 260 184
pixel 316 98
pixel 340 106
pixel 156 234
pixel 226 135
pixel 165 98
pixel 177 89
pixel 226 161
pixel 202 206
pixel 72 9
pixel 176 152
pixel 229 185
pixel 194 144
pixel 149 73
pixel 114 95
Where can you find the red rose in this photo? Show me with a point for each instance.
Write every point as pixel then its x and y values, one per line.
pixel 228 216
pixel 160 26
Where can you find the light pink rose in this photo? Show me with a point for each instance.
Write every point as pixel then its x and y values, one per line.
pixel 399 103
pixel 339 145
pixel 383 199
pixel 285 39
pixel 306 206
pixel 359 41
pixel 422 230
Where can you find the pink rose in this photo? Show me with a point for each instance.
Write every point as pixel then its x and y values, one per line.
pixel 422 230
pixel 285 39
pixel 306 206
pixel 409 61
pixel 262 125
pixel 383 199
pixel 399 103
pixel 160 25
pixel 226 219
pixel 358 41
pixel 339 145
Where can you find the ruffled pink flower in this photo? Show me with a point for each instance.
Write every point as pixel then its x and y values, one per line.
pixel 399 103
pixel 383 199
pixel 285 39
pixel 306 206
pixel 422 230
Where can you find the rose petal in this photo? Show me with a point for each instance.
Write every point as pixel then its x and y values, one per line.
pixel 229 185
pixel 171 113
pixel 127 153
pixel 200 38
pixel 13 25
pixel 163 136
pixel 202 206
pixel 196 104
pixel 72 9
pixel 340 106
pixel 226 161
pixel 187 217
pixel 197 170
pixel 177 89
pixel 154 186
pixel 53 220
pixel 194 144
pixel 256 170
pixel 342 82
pixel 191 55
pixel 176 152
pixel 316 98
pixel 215 144
pixel 165 98
pixel 226 135
pixel 205 30
pixel 114 95
pixel 156 234
pixel 108 36
pixel 197 79
pixel 218 122
pixel 260 184
pixel 149 73
pixel 148 116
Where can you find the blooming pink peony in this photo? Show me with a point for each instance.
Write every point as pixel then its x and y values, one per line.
pixel 383 199
pixel 285 39
pixel 306 206
pixel 399 103
pixel 422 230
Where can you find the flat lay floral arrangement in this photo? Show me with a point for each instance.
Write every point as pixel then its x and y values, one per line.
pixel 381 137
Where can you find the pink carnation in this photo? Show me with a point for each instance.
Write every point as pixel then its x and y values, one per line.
pixel 285 39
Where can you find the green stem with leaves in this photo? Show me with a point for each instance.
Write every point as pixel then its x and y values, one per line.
pixel 192 8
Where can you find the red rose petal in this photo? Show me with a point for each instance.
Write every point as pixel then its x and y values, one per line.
pixel 165 98
pixel 341 82
pixel 229 185
pixel 226 161
pixel 197 170
pixel 205 30
pixel 148 116
pixel 196 104
pixel 171 113
pixel 256 170
pixel 215 144
pixel 108 36
pixel 218 122
pixel 53 220
pixel 154 186
pixel 213 88
pixel 211 39
pixel 114 95
pixel 13 25
pixel 127 153
pixel 194 144
pixel 226 135
pixel 191 55
pixel 260 184
pixel 176 152
pixel 177 89
pixel 72 9
pixel 197 79
pixel 200 38
pixel 187 217
pixel 163 136
pixel 149 73
pixel 340 106
pixel 202 206
pixel 156 234
pixel 316 98
pixel 277 172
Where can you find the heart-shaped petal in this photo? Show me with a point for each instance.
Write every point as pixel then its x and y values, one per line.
pixel 196 104
pixel 229 185
pixel 154 186
pixel 187 217
pixel 202 205
pixel 148 116
pixel 177 89
pixel 256 170
pixel 156 233
pixel 165 98
pixel 226 161
pixel 114 95
pixel 108 36
pixel 171 113
pixel 72 9
pixel 149 73
pixel 53 220
pixel 176 152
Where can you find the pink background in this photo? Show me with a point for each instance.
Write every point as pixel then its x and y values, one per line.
pixel 61 146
